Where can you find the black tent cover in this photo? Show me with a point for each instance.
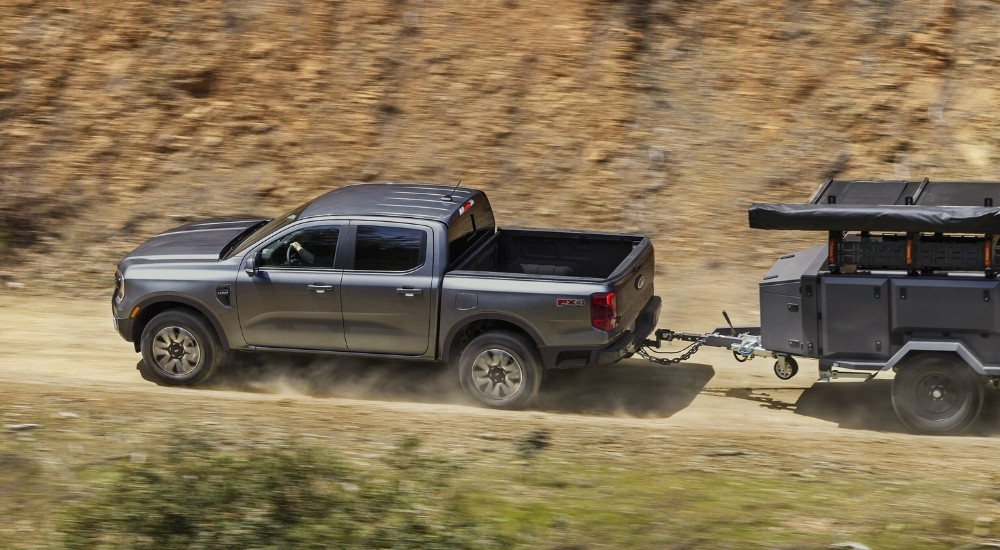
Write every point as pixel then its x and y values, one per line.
pixel 888 218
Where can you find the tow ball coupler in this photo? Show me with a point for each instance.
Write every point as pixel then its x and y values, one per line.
pixel 749 347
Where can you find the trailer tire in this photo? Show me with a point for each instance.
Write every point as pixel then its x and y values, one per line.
pixel 500 369
pixel 937 393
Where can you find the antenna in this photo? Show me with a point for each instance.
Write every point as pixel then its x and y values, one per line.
pixel 448 196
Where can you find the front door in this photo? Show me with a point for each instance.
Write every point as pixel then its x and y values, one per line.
pixel 294 300
pixel 387 296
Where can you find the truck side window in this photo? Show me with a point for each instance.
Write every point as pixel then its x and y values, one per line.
pixel 385 248
pixel 312 247
pixel 466 231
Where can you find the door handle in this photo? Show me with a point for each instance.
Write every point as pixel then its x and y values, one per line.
pixel 320 288
pixel 410 292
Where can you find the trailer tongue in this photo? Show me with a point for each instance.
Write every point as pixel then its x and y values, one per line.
pixel 906 281
pixel 743 341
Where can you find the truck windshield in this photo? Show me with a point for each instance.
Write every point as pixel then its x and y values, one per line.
pixel 264 230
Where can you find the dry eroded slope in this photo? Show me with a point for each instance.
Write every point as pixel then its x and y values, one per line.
pixel 121 119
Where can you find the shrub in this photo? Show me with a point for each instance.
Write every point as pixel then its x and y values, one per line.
pixel 287 496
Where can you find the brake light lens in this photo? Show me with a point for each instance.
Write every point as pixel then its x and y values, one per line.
pixel 604 310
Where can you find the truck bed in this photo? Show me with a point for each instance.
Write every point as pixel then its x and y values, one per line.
pixel 553 253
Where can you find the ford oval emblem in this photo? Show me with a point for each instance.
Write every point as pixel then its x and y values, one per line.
pixel 640 281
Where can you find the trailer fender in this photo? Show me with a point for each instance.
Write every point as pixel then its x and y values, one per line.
pixel 958 348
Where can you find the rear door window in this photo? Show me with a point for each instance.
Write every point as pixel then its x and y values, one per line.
pixel 389 248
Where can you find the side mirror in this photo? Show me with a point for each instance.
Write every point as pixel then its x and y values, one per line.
pixel 251 265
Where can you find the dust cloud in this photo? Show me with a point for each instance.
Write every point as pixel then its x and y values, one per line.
pixel 628 389
pixel 340 377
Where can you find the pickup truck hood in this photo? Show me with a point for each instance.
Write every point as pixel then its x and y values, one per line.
pixel 201 241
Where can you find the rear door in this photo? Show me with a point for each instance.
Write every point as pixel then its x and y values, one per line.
pixel 387 292
pixel 294 300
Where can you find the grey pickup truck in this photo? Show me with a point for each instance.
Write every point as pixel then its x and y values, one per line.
pixel 388 270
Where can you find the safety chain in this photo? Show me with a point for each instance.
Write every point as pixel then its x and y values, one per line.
pixel 689 351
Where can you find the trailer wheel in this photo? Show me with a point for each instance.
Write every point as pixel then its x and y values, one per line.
pixel 937 393
pixel 500 369
pixel 786 367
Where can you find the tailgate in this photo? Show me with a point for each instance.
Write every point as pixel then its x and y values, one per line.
pixel 632 283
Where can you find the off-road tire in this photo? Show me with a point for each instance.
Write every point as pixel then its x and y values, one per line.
pixel 179 348
pixel 937 393
pixel 500 369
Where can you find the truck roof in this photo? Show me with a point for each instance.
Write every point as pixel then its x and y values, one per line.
pixel 442 203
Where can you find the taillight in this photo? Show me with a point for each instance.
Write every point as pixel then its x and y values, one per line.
pixel 603 310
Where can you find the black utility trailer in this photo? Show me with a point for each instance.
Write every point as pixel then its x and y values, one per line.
pixel 906 281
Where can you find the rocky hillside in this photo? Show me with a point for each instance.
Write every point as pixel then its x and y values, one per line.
pixel 121 119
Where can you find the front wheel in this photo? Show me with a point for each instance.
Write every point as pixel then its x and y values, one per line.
pixel 179 348
pixel 500 369
pixel 937 394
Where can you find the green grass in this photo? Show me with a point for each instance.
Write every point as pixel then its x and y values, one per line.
pixel 285 495
pixel 207 491
pixel 663 508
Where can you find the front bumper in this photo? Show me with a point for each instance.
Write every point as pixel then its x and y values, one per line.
pixel 123 323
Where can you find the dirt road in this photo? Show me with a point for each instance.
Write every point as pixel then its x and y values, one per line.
pixel 62 360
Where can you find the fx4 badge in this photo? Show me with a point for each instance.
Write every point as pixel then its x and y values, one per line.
pixel 570 302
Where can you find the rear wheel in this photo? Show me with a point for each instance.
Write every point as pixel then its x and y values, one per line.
pixel 179 348
pixel 937 393
pixel 500 369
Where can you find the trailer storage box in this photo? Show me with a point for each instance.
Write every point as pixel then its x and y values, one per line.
pixel 855 316
pixel 787 302
pixel 945 304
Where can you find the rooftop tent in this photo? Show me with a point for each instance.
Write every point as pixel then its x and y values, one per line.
pixel 888 218
pixel 918 226
pixel 925 192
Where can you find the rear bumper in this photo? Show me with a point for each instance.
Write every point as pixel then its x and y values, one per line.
pixel 626 344
pixel 630 341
